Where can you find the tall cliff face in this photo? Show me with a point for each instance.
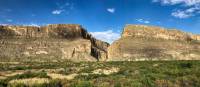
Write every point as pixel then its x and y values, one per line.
pixel 140 42
pixel 66 31
pixel 157 32
pixel 57 42
pixel 52 42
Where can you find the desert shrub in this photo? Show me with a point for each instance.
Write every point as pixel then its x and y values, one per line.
pixel 147 82
pixel 20 68
pixel 17 85
pixel 90 76
pixel 135 83
pixel 163 83
pixel 186 65
pixel 84 84
pixel 3 83
pixel 54 83
pixel 131 74
pixel 29 75
pixel 32 82
pixel 117 84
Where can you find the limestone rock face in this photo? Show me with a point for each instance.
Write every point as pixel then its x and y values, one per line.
pixel 99 49
pixel 140 42
pixel 55 42
pixel 66 31
pixel 157 32
pixel 195 37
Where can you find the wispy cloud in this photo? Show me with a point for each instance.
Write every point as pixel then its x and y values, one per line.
pixel 186 13
pixel 111 10
pixel 174 2
pixel 63 8
pixel 57 12
pixel 192 7
pixel 108 36
pixel 181 14
pixel 142 21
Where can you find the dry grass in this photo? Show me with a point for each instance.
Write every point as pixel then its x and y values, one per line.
pixel 106 71
pixel 9 62
pixel 2 77
pixel 61 76
pixel 13 74
pixel 6 74
pixel 29 82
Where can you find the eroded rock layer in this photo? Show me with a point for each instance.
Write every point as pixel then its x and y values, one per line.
pixel 139 42
pixel 50 43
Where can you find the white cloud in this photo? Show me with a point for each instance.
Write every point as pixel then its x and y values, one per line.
pixel 192 7
pixel 108 36
pixel 174 2
pixel 143 21
pixel 111 10
pixel 186 13
pixel 63 8
pixel 56 12
pixel 181 14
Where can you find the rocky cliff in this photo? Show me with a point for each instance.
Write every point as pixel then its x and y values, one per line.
pixel 140 42
pixel 50 43
pixel 58 42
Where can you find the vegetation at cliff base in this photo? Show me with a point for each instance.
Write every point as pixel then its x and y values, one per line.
pixel 101 74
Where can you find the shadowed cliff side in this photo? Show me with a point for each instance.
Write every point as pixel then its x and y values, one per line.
pixel 50 43
pixel 140 42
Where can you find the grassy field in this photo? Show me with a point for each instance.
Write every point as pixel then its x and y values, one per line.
pixel 100 74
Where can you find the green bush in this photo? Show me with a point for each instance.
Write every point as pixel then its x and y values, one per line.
pixel 131 74
pixel 84 84
pixel 29 75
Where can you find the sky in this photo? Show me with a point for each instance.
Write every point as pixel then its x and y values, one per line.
pixel 104 19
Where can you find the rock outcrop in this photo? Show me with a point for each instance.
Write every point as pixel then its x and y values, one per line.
pixel 58 42
pixel 53 42
pixel 140 42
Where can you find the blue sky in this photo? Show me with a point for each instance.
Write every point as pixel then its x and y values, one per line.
pixel 103 18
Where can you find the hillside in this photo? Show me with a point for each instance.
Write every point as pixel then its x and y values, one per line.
pixel 55 42
pixel 140 42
